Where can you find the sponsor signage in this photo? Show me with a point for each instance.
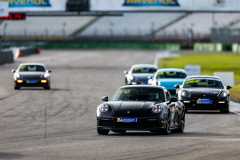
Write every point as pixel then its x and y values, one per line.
pixel 193 70
pixel 14 16
pixel 3 9
pixel 165 5
pixel 226 77
pixel 36 5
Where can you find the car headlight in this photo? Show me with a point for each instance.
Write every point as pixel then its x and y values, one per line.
pixel 185 94
pixel 18 75
pixel 157 108
pixel 104 107
pixel 45 75
pixel 131 77
pixel 223 94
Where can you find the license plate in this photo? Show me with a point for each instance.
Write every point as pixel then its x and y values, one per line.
pixel 144 82
pixel 127 120
pixel 204 101
pixel 32 81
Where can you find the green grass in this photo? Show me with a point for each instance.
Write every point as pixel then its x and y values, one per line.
pixel 210 63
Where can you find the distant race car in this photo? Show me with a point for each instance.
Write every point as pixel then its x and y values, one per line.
pixel 204 93
pixel 141 107
pixel 138 74
pixel 168 78
pixel 31 75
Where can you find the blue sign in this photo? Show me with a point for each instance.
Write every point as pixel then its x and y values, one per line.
pixel 151 3
pixel 28 3
pixel 127 120
pixel 204 101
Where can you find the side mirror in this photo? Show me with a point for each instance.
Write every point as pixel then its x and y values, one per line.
pixel 176 86
pixel 158 83
pixel 49 71
pixel 105 98
pixel 173 99
pixel 125 72
pixel 13 71
pixel 228 87
pixel 150 77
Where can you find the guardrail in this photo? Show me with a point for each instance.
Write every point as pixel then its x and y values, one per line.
pixel 6 56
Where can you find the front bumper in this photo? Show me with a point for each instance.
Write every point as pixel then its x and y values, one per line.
pixel 217 104
pixel 38 84
pixel 142 124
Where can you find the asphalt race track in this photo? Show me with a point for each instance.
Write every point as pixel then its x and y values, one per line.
pixel 61 123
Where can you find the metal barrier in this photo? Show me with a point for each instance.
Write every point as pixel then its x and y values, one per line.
pixel 226 36
pixel 6 57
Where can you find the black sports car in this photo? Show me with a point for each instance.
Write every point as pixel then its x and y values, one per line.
pixel 144 107
pixel 31 75
pixel 204 93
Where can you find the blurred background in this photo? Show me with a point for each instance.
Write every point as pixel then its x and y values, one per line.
pixel 181 22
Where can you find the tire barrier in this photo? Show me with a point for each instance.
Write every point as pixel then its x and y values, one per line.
pixel 6 56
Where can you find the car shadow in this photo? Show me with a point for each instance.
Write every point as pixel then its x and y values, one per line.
pixel 173 134
pixel 207 112
pixel 42 89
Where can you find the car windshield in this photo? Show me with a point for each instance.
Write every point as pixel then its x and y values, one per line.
pixel 203 83
pixel 32 68
pixel 144 70
pixel 171 74
pixel 139 94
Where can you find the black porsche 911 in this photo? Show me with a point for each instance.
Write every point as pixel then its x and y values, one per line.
pixel 144 108
pixel 204 93
pixel 31 75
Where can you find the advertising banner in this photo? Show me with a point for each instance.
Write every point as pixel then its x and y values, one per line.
pixel 36 5
pixel 3 9
pixel 165 5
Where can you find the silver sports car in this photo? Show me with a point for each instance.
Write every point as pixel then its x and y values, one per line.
pixel 138 74
pixel 31 75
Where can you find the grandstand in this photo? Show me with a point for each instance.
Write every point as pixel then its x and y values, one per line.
pixel 45 26
pixel 157 26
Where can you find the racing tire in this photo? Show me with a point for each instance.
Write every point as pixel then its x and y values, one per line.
pixel 167 129
pixel 224 111
pixel 16 88
pixel 103 131
pixel 181 127
pixel 121 131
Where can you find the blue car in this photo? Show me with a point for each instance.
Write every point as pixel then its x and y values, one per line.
pixel 168 78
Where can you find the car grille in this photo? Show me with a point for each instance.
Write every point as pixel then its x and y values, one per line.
pixel 106 123
pixel 150 124
pixel 31 77
pixel 208 97
pixel 209 106
pixel 142 79
pixel 128 125
pixel 139 124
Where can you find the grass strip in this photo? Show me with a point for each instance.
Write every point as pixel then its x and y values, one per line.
pixel 210 63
